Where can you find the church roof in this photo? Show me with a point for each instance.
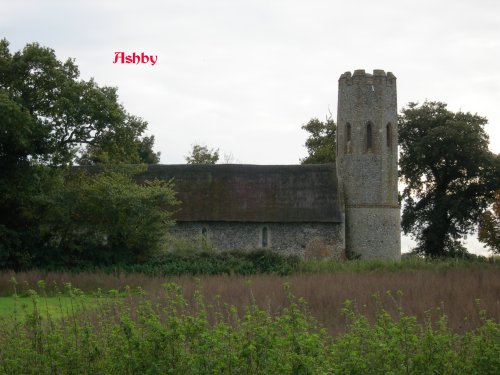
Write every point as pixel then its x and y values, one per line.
pixel 253 193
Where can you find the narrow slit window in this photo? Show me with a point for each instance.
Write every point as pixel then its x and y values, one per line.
pixel 389 135
pixel 348 138
pixel 204 232
pixel 265 240
pixel 368 136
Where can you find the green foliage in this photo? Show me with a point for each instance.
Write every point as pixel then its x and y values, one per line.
pixel 121 144
pixel 105 218
pixel 409 262
pixel 202 155
pixel 403 346
pixel 131 334
pixel 213 263
pixel 78 220
pixel 65 110
pixel 55 112
pixel 23 207
pixel 55 306
pixel 46 114
pixel 321 144
pixel 450 176
pixel 18 133
pixel 489 225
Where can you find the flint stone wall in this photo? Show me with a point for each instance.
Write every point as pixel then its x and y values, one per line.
pixel 374 232
pixel 309 240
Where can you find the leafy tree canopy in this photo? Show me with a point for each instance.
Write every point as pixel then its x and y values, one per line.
pixel 121 144
pixel 55 112
pixel 47 113
pixel 489 225
pixel 202 155
pixel 321 144
pixel 450 175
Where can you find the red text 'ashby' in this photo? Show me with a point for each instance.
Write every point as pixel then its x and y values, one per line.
pixel 135 58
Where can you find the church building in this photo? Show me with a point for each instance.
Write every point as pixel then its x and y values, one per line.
pixel 323 210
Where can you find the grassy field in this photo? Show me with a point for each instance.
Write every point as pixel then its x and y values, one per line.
pixel 56 307
pixel 360 318
pixel 460 289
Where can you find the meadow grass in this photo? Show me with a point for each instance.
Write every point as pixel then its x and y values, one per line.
pixel 56 307
pixel 132 332
pixel 408 263
pixel 460 289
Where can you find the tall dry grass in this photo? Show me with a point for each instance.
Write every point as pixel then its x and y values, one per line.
pixel 455 291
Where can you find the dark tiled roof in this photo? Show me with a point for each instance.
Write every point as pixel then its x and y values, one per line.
pixel 253 193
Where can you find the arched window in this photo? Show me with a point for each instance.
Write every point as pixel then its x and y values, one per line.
pixel 368 136
pixel 265 240
pixel 389 135
pixel 348 138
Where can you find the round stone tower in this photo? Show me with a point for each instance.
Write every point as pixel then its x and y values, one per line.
pixel 367 160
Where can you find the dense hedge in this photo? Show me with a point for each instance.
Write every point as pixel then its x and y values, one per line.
pixel 266 262
pixel 211 263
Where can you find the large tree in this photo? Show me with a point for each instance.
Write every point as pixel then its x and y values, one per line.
pixel 321 143
pixel 449 175
pixel 65 112
pixel 47 113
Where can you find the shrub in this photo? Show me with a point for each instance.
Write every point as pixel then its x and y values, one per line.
pixel 211 263
pixel 104 219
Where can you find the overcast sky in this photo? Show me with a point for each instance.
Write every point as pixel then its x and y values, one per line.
pixel 244 75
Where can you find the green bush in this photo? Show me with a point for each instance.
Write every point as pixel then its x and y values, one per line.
pixel 80 220
pixel 211 263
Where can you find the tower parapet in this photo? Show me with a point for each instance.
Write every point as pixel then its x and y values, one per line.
pixel 367 161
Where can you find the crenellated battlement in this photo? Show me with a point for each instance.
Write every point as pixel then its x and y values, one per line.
pixel 359 76
pixel 367 98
